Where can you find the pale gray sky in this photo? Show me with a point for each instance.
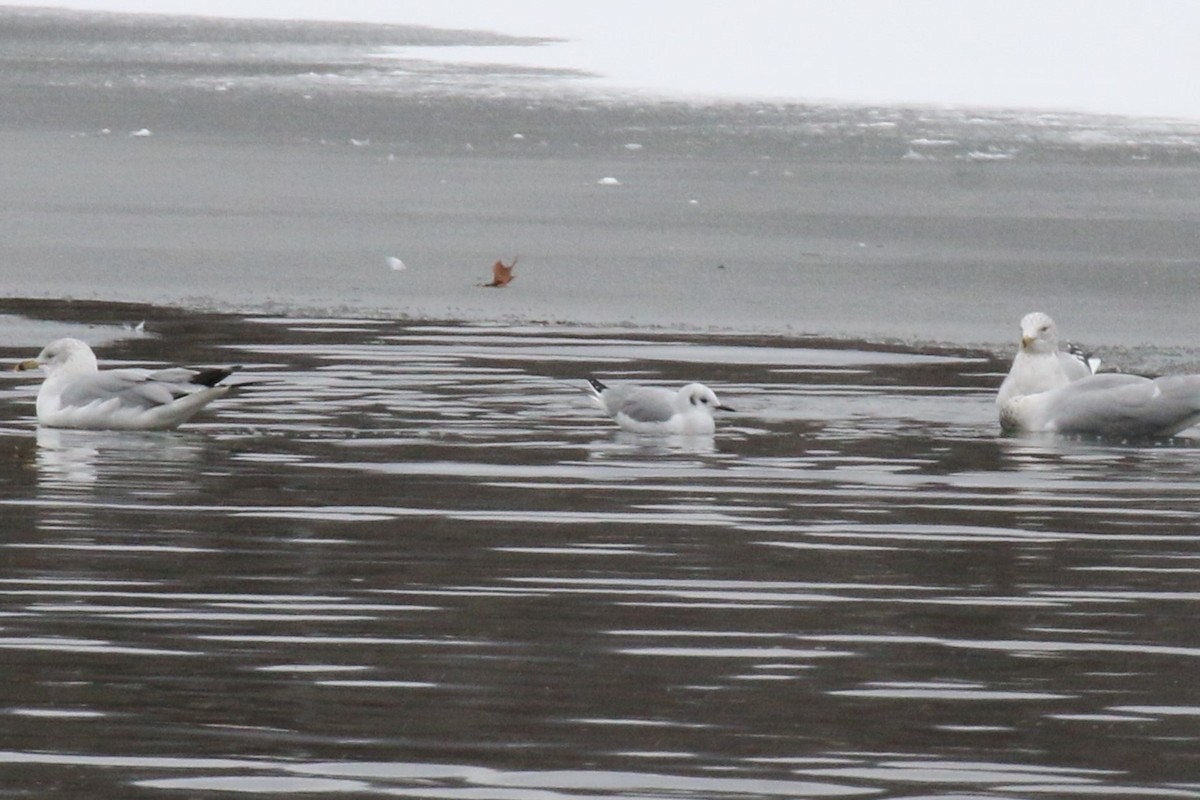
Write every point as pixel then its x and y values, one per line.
pixel 1135 57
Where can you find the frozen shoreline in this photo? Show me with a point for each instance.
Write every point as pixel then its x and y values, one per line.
pixel 926 252
pixel 282 167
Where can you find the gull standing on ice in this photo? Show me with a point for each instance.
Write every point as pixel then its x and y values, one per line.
pixel 1039 365
pixel 650 409
pixel 77 394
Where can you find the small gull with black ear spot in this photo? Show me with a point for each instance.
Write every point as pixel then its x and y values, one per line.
pixel 651 409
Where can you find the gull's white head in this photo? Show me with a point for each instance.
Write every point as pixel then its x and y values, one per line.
pixel 1038 334
pixel 63 355
pixel 697 395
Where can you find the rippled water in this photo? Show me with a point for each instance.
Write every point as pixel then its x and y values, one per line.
pixel 412 560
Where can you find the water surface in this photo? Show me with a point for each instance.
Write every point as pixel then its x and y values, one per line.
pixel 412 560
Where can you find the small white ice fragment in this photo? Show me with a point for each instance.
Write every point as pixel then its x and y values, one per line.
pixel 989 155
pixel 395 263
pixel 609 181
pixel 142 133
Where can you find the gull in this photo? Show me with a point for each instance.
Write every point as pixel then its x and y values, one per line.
pixel 1039 365
pixel 650 409
pixel 1051 391
pixel 77 394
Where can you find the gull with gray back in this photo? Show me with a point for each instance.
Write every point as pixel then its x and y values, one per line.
pixel 76 393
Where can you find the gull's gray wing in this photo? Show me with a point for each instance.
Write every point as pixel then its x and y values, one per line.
pixel 135 388
pixel 641 403
pixel 1126 405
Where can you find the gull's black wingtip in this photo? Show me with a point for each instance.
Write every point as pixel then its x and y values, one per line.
pixel 1089 359
pixel 211 377
pixel 596 384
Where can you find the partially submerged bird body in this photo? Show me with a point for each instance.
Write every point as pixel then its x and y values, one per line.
pixel 1051 391
pixel 1109 405
pixel 650 409
pixel 77 394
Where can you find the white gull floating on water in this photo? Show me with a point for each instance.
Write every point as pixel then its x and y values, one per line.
pixel 1111 405
pixel 651 409
pixel 1049 391
pixel 77 394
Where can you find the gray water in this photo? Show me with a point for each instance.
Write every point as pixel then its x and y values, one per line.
pixel 412 560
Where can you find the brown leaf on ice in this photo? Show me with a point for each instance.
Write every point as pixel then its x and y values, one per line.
pixel 502 274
